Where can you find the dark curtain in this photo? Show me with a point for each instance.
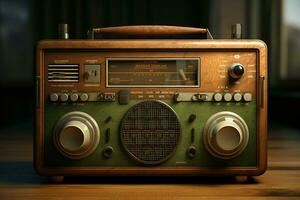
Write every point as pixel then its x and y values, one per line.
pixel 82 15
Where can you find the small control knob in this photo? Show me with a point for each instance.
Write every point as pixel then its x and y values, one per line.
pixel 108 151
pixel 192 118
pixel 64 97
pixel 247 97
pixel 191 152
pixel 227 97
pixel 53 97
pixel 237 97
pixel 84 97
pixel 236 71
pixel 218 97
pixel 74 97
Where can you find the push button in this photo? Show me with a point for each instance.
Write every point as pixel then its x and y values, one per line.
pixel 84 97
pixel 74 97
pixel 227 97
pixel 247 97
pixel 237 97
pixel 64 97
pixel 218 97
pixel 53 97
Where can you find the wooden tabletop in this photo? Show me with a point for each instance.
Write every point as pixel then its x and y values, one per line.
pixel 18 179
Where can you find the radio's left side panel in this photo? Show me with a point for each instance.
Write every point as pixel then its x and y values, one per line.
pixel 71 101
pixel 39 110
pixel 60 97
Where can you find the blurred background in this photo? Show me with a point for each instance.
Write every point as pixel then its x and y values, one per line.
pixel 24 22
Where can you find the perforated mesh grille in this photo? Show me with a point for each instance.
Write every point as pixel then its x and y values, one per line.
pixel 150 132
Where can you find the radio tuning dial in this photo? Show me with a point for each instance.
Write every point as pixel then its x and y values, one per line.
pixel 225 135
pixel 64 97
pixel 236 71
pixel 76 135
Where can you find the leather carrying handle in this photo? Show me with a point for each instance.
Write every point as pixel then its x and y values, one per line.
pixel 149 30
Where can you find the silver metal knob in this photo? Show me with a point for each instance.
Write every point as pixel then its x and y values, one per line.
pixel 237 97
pixel 64 97
pixel 218 97
pixel 74 97
pixel 53 97
pixel 227 97
pixel 247 97
pixel 84 97
pixel 76 135
pixel 225 135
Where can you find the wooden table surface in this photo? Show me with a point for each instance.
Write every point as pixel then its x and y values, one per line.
pixel 18 179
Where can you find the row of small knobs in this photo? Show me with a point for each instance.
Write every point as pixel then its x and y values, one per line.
pixel 236 97
pixel 65 97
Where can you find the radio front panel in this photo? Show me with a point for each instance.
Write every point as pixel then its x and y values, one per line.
pixel 116 108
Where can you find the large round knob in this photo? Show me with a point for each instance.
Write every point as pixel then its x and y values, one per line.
pixel 76 135
pixel 236 70
pixel 225 135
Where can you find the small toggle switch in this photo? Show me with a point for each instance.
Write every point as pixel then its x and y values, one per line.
pixel 192 135
pixel 107 135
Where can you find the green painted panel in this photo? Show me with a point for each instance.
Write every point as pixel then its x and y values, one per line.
pixel 102 110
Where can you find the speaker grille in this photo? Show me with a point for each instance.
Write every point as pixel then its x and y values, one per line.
pixel 150 132
pixel 63 73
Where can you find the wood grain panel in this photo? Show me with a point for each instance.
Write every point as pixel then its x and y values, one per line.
pixel 215 57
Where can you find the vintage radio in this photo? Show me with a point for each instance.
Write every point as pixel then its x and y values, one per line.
pixel 172 107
